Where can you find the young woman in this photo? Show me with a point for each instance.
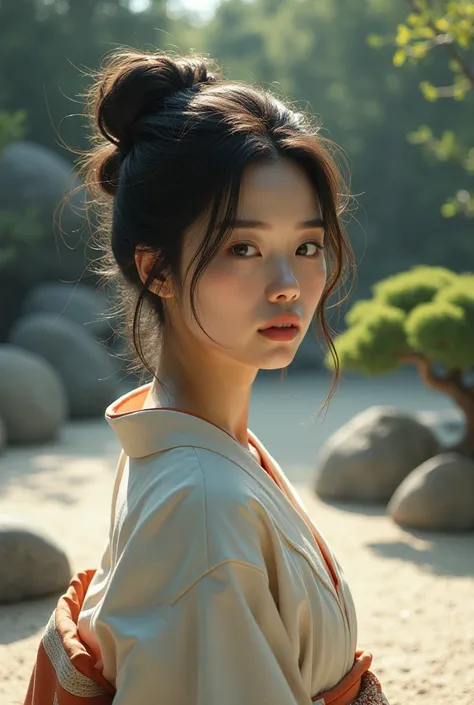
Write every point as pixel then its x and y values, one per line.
pixel 219 212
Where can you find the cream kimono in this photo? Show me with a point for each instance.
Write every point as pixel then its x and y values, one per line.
pixel 213 588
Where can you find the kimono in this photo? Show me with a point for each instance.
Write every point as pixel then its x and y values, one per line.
pixel 215 587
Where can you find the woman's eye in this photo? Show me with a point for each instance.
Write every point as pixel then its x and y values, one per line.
pixel 241 247
pixel 317 248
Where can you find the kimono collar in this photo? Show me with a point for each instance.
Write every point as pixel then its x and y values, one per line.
pixel 142 432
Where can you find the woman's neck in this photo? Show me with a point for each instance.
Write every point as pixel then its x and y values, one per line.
pixel 213 394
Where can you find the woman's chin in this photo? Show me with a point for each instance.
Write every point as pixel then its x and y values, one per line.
pixel 279 359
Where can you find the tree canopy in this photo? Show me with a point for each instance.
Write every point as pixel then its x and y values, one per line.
pixel 425 314
pixel 425 317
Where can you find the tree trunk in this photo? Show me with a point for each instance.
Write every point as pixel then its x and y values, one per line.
pixel 461 394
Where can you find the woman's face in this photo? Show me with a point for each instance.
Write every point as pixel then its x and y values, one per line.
pixel 261 272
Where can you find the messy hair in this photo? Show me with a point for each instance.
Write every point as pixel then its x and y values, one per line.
pixel 170 141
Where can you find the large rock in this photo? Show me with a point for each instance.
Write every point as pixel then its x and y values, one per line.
pixel 81 304
pixel 438 495
pixel 32 176
pixel 32 565
pixel 33 404
pixel 367 458
pixel 86 370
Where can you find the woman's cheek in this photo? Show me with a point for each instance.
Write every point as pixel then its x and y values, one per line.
pixel 216 291
pixel 226 278
pixel 312 282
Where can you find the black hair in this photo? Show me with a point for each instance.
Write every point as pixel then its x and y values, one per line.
pixel 170 141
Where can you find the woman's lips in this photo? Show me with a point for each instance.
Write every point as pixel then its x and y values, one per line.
pixel 285 334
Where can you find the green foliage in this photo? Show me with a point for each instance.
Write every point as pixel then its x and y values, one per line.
pixel 461 295
pixel 359 311
pixel 18 228
pixel 448 148
pixel 462 201
pixel 449 25
pixel 426 312
pixel 433 24
pixel 442 332
pixel 409 289
pixel 375 341
pixel 315 54
pixel 12 127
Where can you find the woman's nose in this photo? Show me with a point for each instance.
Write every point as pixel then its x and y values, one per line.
pixel 283 284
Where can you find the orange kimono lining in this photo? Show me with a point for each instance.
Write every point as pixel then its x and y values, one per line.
pixel 65 674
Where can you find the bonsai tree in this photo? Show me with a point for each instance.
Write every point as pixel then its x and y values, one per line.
pixel 424 317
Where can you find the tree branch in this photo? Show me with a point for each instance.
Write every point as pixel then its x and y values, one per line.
pixel 429 377
pixel 450 91
pixel 452 384
pixel 450 48
pixel 456 377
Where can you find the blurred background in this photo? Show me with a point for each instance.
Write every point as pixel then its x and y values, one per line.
pixel 408 152
pixel 391 82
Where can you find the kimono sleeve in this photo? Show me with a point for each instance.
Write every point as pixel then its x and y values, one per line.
pixel 221 642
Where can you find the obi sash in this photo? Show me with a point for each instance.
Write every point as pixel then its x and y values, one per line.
pixel 65 672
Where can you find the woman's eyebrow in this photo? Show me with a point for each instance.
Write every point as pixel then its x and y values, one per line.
pixel 242 223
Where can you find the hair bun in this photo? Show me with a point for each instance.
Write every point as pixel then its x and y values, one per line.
pixel 133 81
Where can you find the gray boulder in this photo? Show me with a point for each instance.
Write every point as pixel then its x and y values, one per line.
pixel 32 565
pixel 438 495
pixel 35 177
pixel 367 458
pixel 33 174
pixel 83 364
pixel 33 404
pixel 81 304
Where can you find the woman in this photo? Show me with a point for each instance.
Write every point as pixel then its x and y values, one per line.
pixel 219 213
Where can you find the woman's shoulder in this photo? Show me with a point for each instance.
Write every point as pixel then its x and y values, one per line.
pixel 192 499
pixel 200 473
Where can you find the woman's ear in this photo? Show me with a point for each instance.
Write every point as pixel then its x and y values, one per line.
pixel 144 262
